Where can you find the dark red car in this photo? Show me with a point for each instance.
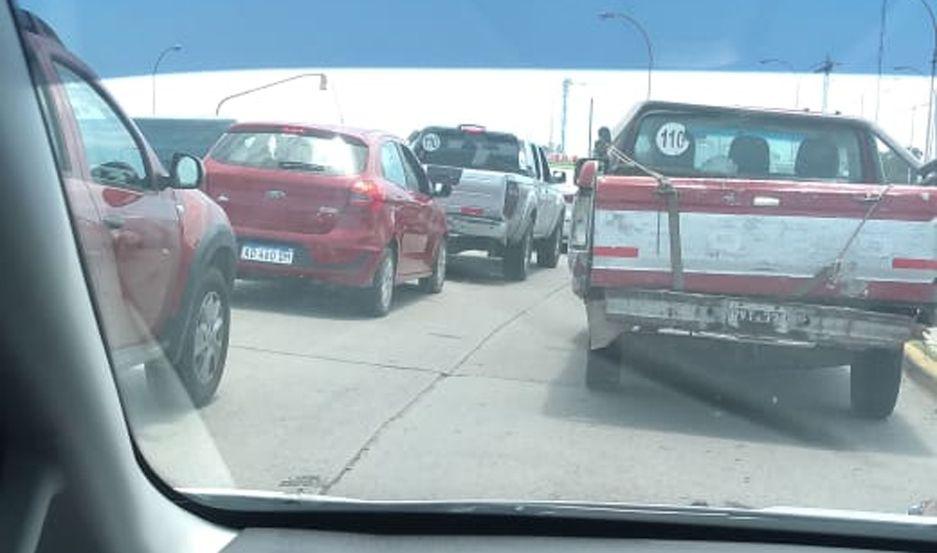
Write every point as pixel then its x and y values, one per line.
pixel 332 204
pixel 160 254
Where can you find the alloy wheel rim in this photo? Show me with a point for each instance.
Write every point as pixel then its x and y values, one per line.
pixel 209 331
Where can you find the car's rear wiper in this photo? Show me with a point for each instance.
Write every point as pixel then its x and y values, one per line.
pixel 301 165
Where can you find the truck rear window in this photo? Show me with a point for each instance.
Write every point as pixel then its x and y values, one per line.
pixel 469 150
pixel 328 153
pixel 735 145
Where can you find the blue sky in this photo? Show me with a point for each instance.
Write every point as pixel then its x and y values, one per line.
pixel 122 38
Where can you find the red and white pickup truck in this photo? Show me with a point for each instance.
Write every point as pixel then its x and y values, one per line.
pixel 810 233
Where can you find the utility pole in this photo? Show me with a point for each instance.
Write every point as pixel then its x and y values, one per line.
pixel 881 55
pixel 566 84
pixel 589 140
pixel 826 67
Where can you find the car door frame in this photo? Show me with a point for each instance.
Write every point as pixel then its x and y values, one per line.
pixel 404 211
pixel 429 225
pixel 139 338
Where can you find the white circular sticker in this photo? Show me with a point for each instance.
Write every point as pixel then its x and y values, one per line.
pixel 430 142
pixel 671 139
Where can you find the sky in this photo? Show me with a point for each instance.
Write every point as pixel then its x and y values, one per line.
pixel 124 38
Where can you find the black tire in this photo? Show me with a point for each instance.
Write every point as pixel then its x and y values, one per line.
pixel 204 347
pixel 379 296
pixel 874 380
pixel 548 252
pixel 516 262
pixel 603 368
pixel 433 283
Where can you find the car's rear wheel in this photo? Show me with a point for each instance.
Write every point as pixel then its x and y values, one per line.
pixel 603 368
pixel 548 251
pixel 874 380
pixel 204 347
pixel 433 283
pixel 379 296
pixel 516 262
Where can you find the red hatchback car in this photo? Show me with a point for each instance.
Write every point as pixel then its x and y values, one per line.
pixel 331 204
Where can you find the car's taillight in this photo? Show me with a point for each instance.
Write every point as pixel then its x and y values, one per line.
pixel 512 195
pixel 366 193
pixel 580 220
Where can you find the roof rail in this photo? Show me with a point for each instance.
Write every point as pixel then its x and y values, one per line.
pixel 32 23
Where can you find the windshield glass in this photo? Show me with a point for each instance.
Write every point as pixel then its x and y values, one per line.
pixel 328 154
pixel 469 150
pixel 383 250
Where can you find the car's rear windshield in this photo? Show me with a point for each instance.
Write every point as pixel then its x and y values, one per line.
pixel 468 149
pixel 319 152
pixel 730 144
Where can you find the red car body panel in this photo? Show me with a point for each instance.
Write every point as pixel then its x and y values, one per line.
pixel 334 239
pixel 143 246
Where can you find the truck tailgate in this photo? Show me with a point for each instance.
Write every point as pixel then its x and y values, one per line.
pixel 768 238
pixel 474 192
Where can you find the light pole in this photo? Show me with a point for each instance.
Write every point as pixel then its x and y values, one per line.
pixel 790 67
pixel 159 59
pixel 647 41
pixel 322 86
pixel 933 70
pixel 826 67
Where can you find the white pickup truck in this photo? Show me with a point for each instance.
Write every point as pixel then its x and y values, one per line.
pixel 502 201
pixel 806 236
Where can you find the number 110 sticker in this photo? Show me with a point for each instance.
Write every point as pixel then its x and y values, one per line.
pixel 671 139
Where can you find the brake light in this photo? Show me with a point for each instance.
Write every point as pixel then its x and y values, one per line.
pixel 512 196
pixel 366 193
pixel 292 130
pixel 581 220
pixel 472 129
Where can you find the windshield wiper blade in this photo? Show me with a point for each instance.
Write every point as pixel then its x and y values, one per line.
pixel 301 165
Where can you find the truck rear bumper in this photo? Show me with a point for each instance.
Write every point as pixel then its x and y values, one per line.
pixel 741 319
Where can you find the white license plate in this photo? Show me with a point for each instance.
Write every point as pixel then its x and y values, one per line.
pixel 744 314
pixel 263 254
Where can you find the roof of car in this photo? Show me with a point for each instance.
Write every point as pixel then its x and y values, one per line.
pixel 804 113
pixel 366 135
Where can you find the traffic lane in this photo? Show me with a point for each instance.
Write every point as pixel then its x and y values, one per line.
pixel 516 423
pixel 427 331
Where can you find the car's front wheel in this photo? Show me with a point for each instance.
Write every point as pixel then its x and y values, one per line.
pixel 379 296
pixel 204 347
pixel 433 283
pixel 874 380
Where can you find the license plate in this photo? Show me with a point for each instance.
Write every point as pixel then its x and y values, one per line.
pixel 264 254
pixel 758 316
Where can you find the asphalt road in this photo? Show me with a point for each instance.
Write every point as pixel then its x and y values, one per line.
pixel 478 393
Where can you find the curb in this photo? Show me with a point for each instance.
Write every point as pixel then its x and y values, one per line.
pixel 920 361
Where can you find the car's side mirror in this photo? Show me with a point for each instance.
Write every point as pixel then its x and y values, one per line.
pixel 558 177
pixel 187 171
pixel 585 172
pixel 441 189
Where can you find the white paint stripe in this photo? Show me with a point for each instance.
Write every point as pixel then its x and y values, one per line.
pixel 753 245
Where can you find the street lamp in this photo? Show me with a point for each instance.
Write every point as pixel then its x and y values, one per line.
pixel 159 59
pixel 605 16
pixel 933 69
pixel 322 86
pixel 790 67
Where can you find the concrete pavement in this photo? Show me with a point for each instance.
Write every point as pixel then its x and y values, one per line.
pixel 478 393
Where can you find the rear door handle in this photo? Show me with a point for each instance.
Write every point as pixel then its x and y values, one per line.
pixel 113 222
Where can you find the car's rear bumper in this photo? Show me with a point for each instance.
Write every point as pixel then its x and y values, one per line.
pixel 777 322
pixel 342 258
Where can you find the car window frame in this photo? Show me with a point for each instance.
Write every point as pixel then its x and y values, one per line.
pixel 384 175
pixel 149 180
pixel 411 162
